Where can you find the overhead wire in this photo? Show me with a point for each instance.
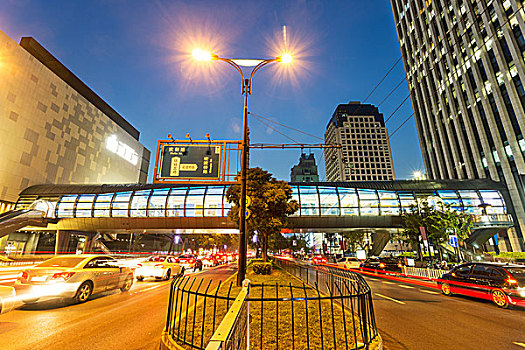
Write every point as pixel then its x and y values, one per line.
pixel 381 81
pixel 277 131
pixel 391 92
pixel 289 127
pixel 434 93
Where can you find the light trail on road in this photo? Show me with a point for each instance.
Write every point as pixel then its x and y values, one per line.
pixel 112 320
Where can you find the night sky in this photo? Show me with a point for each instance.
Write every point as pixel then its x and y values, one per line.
pixel 137 56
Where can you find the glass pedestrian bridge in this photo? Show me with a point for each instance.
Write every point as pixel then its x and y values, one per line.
pixel 195 201
pixel 323 207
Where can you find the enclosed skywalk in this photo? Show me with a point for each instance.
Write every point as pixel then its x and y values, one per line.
pixel 324 207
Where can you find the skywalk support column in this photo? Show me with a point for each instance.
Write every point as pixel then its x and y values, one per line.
pixel 61 242
pixel 88 243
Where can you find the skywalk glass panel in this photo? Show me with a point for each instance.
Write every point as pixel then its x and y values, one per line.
pixel 388 202
pixel 496 204
pixel 213 201
pixel 329 201
pixel 176 201
pixel 120 205
pixel 66 206
pixel 349 202
pixel 157 202
pixel 226 206
pixel 451 198
pixel 84 205
pixel 102 205
pixel 471 201
pixel 139 203
pixel 195 202
pixel 368 201
pixel 309 200
pixel 295 196
pixel 406 199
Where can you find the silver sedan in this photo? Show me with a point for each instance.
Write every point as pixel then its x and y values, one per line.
pixel 73 276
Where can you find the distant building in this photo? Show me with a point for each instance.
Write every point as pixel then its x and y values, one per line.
pixel 306 170
pixel 365 154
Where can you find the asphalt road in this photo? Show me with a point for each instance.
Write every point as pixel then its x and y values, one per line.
pixel 414 317
pixel 113 320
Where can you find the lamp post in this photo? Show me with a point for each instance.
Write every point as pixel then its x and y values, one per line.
pixel 257 64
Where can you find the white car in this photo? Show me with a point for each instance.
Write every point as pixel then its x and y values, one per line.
pixel 73 276
pixel 7 299
pixel 349 263
pixel 159 267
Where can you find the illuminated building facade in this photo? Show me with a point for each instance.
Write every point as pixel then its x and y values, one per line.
pixel 55 129
pixel 365 153
pixel 464 63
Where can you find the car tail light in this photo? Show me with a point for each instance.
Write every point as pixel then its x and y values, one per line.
pixel 158 265
pixel 382 265
pixel 62 276
pixel 23 275
pixel 139 265
pixel 511 280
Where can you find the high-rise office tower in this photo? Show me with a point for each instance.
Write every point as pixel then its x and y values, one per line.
pixel 464 63
pixel 365 149
pixel 306 170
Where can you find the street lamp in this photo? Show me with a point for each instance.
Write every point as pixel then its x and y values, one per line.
pixel 202 55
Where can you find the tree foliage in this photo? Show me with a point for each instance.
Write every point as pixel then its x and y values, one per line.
pixel 271 204
pixel 438 221
pixel 354 239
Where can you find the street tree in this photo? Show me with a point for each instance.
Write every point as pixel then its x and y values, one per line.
pixel 354 239
pixel 271 204
pixel 437 221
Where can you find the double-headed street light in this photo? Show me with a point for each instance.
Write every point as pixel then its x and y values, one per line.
pixel 257 64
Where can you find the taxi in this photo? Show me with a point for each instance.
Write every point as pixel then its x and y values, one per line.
pixel 158 267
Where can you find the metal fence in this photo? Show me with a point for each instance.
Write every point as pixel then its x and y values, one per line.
pixel 346 288
pixel 429 273
pixel 195 310
pixel 234 330
pixel 331 309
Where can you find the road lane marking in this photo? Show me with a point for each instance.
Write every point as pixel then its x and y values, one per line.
pixel 519 344
pixel 150 288
pixel 404 286
pixel 428 291
pixel 392 299
pixel 388 282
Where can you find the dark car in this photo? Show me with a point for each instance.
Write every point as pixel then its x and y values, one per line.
pixel 504 284
pixel 189 261
pixel 383 264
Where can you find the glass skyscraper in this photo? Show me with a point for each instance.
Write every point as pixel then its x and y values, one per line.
pixel 464 63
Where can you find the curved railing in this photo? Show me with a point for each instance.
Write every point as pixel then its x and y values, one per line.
pixel 331 308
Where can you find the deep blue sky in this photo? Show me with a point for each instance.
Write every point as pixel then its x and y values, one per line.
pixel 135 55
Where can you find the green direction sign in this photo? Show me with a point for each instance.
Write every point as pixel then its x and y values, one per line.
pixel 190 161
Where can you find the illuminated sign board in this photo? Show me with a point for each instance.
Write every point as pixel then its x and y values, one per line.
pixel 122 150
pixel 189 161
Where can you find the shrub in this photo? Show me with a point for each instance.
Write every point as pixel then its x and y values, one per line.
pixel 262 268
pixel 259 260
